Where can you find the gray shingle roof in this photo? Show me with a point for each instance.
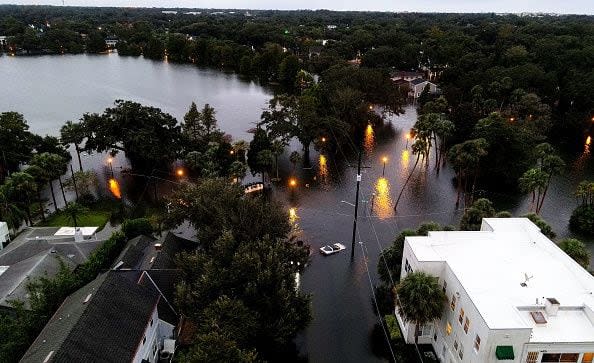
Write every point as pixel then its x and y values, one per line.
pixel 108 328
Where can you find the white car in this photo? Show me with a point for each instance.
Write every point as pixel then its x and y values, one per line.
pixel 332 249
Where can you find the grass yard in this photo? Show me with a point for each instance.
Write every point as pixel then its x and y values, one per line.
pixel 91 219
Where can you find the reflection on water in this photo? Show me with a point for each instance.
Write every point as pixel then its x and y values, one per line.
pixel 404 159
pixel 382 203
pixel 369 141
pixel 323 170
pixel 114 188
pixel 293 217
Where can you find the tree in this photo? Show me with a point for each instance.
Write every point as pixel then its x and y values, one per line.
pixel 419 299
pixel 85 183
pixel 259 143
pixel 465 158
pixel 533 181
pixel 551 164
pixel 237 171
pixel 22 187
pixel 215 347
pixel 265 160
pixel 544 227
pixel 74 211
pixel 294 158
pixel 288 69
pixel 73 133
pixel 419 148
pixel 96 42
pixel 278 147
pixel 473 216
pixel 136 227
pixel 9 210
pixel 149 137
pixel 52 167
pixel 576 250
pixel 16 142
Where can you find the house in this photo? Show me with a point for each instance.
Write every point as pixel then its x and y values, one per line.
pixel 315 50
pixel 111 42
pixel 406 75
pixel 513 295
pixel 169 12
pixel 40 252
pixel 418 85
pixel 121 316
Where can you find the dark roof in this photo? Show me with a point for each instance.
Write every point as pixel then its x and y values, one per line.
pixel 136 253
pixel 401 82
pixel 14 280
pixel 107 328
pixel 417 81
pixel 406 74
pixel 171 245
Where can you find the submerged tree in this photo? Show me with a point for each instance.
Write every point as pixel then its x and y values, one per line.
pixel 465 158
pixel 419 148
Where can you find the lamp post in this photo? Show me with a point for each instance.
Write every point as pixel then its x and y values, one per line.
pixel 384 159
pixel 407 138
pixel 110 161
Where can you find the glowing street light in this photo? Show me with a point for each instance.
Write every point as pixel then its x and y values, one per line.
pixel 110 161
pixel 292 182
pixel 588 140
pixel 385 160
pixel 407 138
pixel 179 172
pixel 323 139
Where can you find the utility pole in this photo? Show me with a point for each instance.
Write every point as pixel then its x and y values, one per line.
pixel 356 207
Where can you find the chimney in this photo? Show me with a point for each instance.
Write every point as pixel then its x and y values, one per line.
pixel 551 306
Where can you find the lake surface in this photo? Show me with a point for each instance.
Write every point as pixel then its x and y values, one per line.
pixel 49 90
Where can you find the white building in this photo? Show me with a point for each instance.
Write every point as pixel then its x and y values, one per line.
pixel 513 295
pixel 418 85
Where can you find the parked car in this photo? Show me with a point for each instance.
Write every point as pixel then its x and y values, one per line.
pixel 332 249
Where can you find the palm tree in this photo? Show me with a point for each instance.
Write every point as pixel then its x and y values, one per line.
pixel 419 148
pixel 22 186
pixel 73 133
pixel 278 147
pixel 237 171
pixel 552 165
pixel 9 210
pixel 465 158
pixel 73 211
pixel 419 299
pixel 533 181
pixel 294 158
pixel 51 167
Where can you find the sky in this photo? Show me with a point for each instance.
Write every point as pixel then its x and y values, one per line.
pixel 514 6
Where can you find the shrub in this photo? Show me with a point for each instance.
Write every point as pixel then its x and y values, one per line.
pixel 393 327
pixel 136 227
pixel 542 224
pixel 582 220
pixel 576 250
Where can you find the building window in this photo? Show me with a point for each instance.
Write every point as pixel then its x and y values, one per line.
pixel 461 317
pixel 445 286
pixel 425 330
pixel 455 344
pixel 143 340
pixel 407 267
pixel 151 322
pixel 453 304
pixel 477 343
pixel 588 358
pixel 532 357
pixel 435 336
pixel 461 351
pixel 557 357
pixel 466 325
pixel 448 329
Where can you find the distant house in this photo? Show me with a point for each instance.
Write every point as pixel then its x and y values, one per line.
pixel 315 50
pixel 418 85
pixel 121 316
pixel 40 252
pixel 331 27
pixel 406 76
pixel 3 40
pixel 111 42
pixel 170 12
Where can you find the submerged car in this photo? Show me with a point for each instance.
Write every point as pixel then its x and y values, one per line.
pixel 332 249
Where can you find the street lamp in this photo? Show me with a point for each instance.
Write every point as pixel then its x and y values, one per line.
pixel 110 161
pixel 292 182
pixel 384 159
pixel 323 139
pixel 179 172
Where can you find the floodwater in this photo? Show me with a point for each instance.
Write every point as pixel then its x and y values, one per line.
pixel 50 90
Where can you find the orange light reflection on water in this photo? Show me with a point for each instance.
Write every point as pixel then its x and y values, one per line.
pixel 323 169
pixel 114 188
pixel 382 204
pixel 369 141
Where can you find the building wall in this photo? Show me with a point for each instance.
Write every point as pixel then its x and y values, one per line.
pixel 542 348
pixel 148 347
pixel 449 341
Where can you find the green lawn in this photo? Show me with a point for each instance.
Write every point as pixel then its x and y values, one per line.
pixel 91 219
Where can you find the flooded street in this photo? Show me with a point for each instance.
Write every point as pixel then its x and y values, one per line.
pixel 342 305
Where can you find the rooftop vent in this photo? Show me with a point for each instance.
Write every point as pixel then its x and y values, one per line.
pixel 538 317
pixel 551 306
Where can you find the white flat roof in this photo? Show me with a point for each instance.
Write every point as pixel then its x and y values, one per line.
pixel 492 263
pixel 69 231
